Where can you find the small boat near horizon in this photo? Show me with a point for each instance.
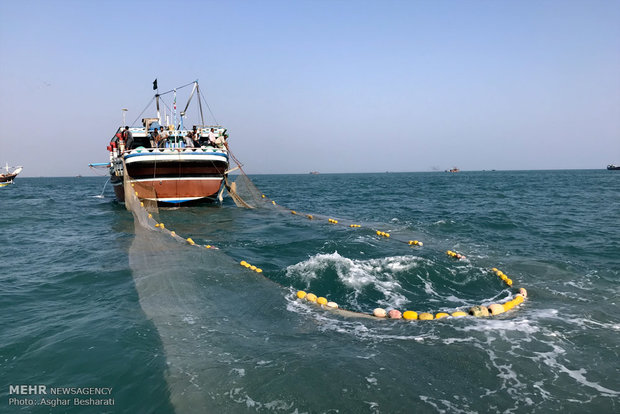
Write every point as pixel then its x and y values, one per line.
pixel 453 170
pixel 168 163
pixel 613 167
pixel 9 174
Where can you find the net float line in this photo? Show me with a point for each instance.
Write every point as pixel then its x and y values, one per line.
pixel 380 233
pixel 138 207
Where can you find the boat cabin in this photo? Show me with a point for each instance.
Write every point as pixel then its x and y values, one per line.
pixel 154 135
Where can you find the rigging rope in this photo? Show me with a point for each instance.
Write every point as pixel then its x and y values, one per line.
pixel 180 87
pixel 209 108
pixel 144 110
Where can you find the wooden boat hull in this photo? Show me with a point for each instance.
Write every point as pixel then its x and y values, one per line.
pixel 173 176
pixel 7 178
pixel 173 191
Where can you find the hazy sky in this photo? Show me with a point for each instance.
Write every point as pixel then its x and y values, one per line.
pixel 333 86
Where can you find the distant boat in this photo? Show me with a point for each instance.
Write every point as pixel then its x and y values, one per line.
pixel 453 170
pixel 613 167
pixel 10 173
pixel 314 172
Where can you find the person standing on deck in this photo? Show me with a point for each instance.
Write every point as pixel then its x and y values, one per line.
pixel 128 138
pixel 212 137
pixel 163 137
pixel 196 137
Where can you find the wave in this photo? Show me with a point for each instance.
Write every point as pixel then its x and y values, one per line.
pixel 357 276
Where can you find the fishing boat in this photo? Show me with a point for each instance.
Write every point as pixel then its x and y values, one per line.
pixel 9 175
pixel 453 170
pixel 166 162
pixel 613 167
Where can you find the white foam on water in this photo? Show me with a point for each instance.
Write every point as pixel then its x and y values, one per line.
pixel 369 356
pixel 579 320
pixel 581 284
pixel 238 371
pixel 372 381
pixel 551 359
pixel 239 396
pixel 428 287
pixel 575 296
pixel 498 325
pixel 493 336
pixel 382 274
pixel 540 386
pixel 454 299
pixel 579 376
pixel 189 319
pixel 373 406
pixel 445 406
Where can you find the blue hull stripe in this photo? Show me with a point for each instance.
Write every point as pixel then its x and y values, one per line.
pixel 221 154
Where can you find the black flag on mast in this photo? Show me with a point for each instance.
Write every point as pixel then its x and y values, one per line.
pixel 155 84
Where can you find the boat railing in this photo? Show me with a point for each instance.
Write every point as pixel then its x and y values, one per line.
pixel 202 130
pixel 176 150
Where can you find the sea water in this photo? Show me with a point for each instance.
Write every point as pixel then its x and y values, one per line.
pixel 91 301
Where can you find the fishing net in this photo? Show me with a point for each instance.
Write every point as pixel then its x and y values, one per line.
pixel 243 192
pixel 144 209
pixel 241 189
pixel 184 289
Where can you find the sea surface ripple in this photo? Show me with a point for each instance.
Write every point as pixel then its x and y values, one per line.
pixel 91 299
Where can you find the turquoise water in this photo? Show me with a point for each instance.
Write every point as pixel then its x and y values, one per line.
pixel 89 299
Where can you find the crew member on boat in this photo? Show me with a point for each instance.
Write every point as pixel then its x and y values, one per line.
pixel 220 140
pixel 127 137
pixel 195 135
pixel 212 137
pixel 154 138
pixel 189 140
pixel 163 137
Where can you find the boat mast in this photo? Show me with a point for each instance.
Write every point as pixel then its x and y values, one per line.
pixel 156 87
pixel 158 114
pixel 202 118
pixel 175 116
pixel 191 95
